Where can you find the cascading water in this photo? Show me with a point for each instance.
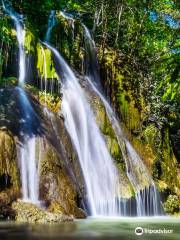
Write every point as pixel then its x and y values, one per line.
pixel 99 172
pixel 27 150
pixel 70 18
pixel 91 61
pixel 18 20
pixel 146 195
pixel 51 24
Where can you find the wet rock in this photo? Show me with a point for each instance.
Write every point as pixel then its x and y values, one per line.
pixel 4 199
pixel 59 164
pixel 28 212
pixel 56 186
pixel 55 207
pixel 6 212
pixel 149 133
pixel 9 173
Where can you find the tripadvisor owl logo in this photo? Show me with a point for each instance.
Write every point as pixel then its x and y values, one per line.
pixel 139 231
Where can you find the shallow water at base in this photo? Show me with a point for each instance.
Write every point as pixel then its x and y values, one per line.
pixel 109 228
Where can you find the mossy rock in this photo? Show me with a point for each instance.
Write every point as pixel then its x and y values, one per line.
pixel 9 172
pixel 30 213
pixel 8 81
pixel 149 137
pixel 56 188
pixel 56 207
pixel 47 100
pixel 4 199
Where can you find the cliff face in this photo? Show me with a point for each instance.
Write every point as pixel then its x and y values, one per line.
pixel 151 138
pixel 58 189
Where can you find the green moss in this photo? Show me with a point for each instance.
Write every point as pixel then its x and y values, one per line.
pixel 9 81
pixel 153 144
pixel 45 64
pixel 51 101
pixel 31 213
pixel 55 185
pixel 29 42
pixel 8 161
pixel 151 133
pixel 129 113
pixel 169 164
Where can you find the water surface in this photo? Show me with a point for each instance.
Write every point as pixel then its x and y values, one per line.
pixel 116 228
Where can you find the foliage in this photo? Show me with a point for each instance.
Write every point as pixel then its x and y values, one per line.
pixel 172 204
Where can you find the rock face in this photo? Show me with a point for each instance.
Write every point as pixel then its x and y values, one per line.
pixel 9 174
pixel 27 212
pixel 61 183
pixel 150 136
pixel 56 186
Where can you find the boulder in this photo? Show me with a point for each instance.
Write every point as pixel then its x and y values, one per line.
pixel 31 213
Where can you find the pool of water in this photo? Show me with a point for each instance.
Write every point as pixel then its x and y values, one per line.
pixel 110 228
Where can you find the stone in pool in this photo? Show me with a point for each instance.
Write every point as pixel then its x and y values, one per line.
pixel 31 213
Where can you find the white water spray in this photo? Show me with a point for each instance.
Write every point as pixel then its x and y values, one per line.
pixel 146 195
pixel 20 37
pixel 99 172
pixel 27 150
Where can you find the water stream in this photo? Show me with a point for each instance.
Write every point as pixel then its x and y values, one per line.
pixel 146 195
pixel 27 149
pixel 80 123
pixel 99 171
pixel 51 24
pixel 18 21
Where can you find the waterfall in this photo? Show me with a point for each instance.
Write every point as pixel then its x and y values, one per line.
pixel 51 24
pixel 18 21
pixel 70 19
pixel 91 61
pixel 146 195
pixel 27 149
pixel 100 174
